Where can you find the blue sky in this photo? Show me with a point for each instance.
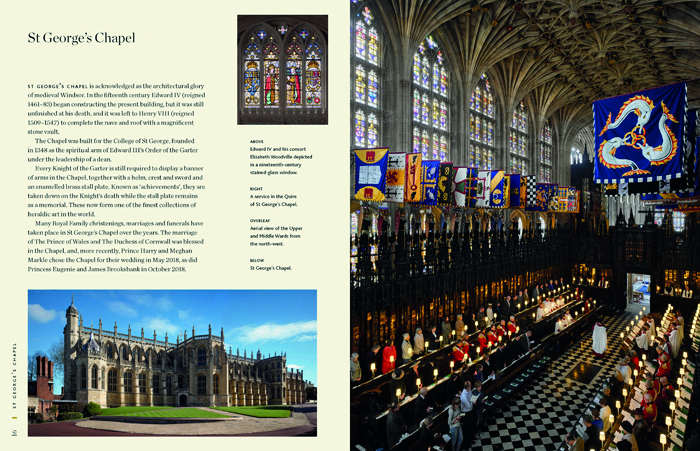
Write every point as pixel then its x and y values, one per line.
pixel 271 320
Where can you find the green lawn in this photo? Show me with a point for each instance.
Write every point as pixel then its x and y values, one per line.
pixel 188 412
pixel 259 411
pixel 134 409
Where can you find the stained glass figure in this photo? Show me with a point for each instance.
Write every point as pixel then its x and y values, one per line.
pixel 477 99
pixel 477 129
pixel 443 148
pixel 294 76
pixel 360 127
pixel 436 147
pixel 425 72
pixel 271 75
pixel 313 77
pixel 372 130
pixel 373 46
pixel 443 116
pixel 416 140
pixel 425 110
pixel 425 144
pixel 436 114
pixel 372 89
pixel 360 84
pixel 436 78
pixel 416 105
pixel 360 40
pixel 251 76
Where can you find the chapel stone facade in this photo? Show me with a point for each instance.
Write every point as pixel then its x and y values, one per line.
pixel 115 369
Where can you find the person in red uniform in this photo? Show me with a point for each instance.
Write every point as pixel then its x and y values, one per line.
pixel 511 325
pixel 483 341
pixel 666 390
pixel 649 409
pixel 457 353
pixel 491 335
pixel 665 367
pixel 389 351
pixel 501 329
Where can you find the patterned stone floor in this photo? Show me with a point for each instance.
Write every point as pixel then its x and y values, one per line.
pixel 538 418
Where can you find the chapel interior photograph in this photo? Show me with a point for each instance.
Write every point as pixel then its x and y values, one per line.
pixel 524 227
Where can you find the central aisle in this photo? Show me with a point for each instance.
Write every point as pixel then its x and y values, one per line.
pixel 542 415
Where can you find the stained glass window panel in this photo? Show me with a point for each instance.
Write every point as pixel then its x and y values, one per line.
pixel 443 148
pixel 416 105
pixel 360 41
pixel 443 116
pixel 425 110
pixel 443 81
pixel 436 147
pixel 436 78
pixel 373 47
pixel 294 76
pixel 416 68
pixel 360 84
pixel 425 144
pixel 416 140
pixel 271 77
pixel 436 114
pixel 252 76
pixel 372 89
pixel 372 130
pixel 425 72
pixel 360 128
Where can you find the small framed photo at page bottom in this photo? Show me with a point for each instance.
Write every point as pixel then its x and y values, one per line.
pixel 172 362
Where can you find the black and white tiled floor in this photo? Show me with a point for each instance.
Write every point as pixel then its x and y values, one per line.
pixel 538 418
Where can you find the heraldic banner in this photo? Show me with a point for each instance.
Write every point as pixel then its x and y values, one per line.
pixel 395 177
pixel 370 173
pixel 541 198
pixel 553 197
pixel 640 137
pixel 483 189
pixel 429 180
pixel 515 191
pixel 500 189
pixel 444 187
pixel 414 163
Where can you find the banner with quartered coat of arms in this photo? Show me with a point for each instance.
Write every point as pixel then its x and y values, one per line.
pixel 640 137
pixel 444 185
pixel 395 177
pixel 429 179
pixel 370 173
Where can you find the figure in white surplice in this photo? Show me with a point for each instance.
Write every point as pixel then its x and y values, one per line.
pixel 600 340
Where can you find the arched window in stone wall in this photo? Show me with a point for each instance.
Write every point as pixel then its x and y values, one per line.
pixel 576 156
pixel 142 382
pixel 83 377
pixel 216 384
pixel 159 358
pixel 125 353
pixel 430 101
pixel 365 62
pixel 202 384
pixel 155 384
pixel 518 141
pixel 137 354
pixel 216 356
pixel 482 125
pixel 284 73
pixel 109 351
pixel 201 356
pixel 94 372
pixel 546 153
pixel 128 382
pixel 112 380
pixel 168 385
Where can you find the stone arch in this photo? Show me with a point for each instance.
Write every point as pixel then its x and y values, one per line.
pixel 83 376
pixel 124 352
pixel 543 216
pixel 94 377
pixel 519 214
pixel 109 348
pixel 137 353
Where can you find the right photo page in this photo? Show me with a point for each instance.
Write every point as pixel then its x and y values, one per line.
pixel 523 225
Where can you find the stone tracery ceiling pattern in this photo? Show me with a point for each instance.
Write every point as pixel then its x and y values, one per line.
pixel 562 52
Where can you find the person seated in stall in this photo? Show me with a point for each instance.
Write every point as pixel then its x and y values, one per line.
pixel 455 384
pixel 422 406
pixel 623 372
pixel 457 353
pixel 634 359
pixel 628 436
pixel 687 292
pixel 395 425
pixel 668 290
pixel 397 383
pixel 501 330
pixel 649 409
pixel 597 421
pixel 483 341
pixel 660 351
pixel 433 338
pixel 568 318
pixel 649 384
pixel 512 328
pixel 418 343
pixel 551 285
pixel 664 367
pixel 605 413
pixel 540 312
pixel 575 443
pixel 491 335
pixel 666 390
pixel 479 373
pixel 591 436
pixel 603 283
pixel 640 429
pixel 489 314
pixel 547 306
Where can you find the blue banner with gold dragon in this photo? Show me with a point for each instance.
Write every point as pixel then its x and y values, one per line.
pixel 640 137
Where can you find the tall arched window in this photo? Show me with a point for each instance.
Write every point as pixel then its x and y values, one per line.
pixel 112 380
pixel 93 376
pixel 283 69
pixel 216 384
pixel 201 356
pixel 576 156
pixel 155 384
pixel 546 153
pixel 125 353
pixel 202 384
pixel 83 376
pixel 168 385
pixel 128 382
pixel 430 103
pixel 365 61
pixel 142 382
pixel 481 125
pixel 518 140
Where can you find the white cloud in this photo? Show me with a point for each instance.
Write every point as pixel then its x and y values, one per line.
pixel 161 326
pixel 161 303
pixel 302 331
pixel 297 367
pixel 183 314
pixel 40 314
pixel 122 308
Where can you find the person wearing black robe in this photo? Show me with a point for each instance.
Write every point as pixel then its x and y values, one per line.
pixel 395 426
pixel 500 359
pixel 367 361
pixel 422 407
pixel 481 318
pixel 505 309
pixel 432 338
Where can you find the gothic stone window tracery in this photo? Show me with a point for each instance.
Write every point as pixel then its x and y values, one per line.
pixel 112 380
pixel 365 61
pixel 283 69
pixel 518 140
pixel 546 153
pixel 430 101
pixel 481 125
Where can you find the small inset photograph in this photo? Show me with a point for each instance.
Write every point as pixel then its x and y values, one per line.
pixel 172 362
pixel 283 69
